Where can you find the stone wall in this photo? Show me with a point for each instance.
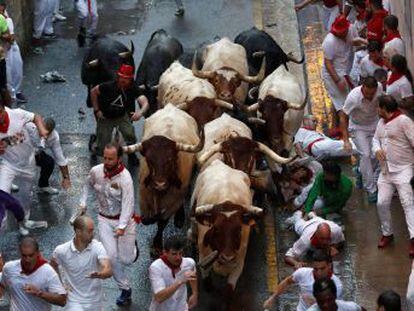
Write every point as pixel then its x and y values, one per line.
pixel 21 11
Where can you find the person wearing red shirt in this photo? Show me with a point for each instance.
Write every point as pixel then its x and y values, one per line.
pixel 375 25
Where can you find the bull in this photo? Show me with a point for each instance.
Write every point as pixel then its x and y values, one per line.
pixel 169 144
pixel 180 87
pixel 231 141
pixel 280 109
pixel 259 44
pixel 161 51
pixel 222 204
pixel 225 66
pixel 102 61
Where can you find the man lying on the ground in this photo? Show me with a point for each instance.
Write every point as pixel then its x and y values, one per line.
pixel 315 233
pixel 316 144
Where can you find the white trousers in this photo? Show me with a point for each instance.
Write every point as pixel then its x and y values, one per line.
pixel 121 250
pixel 386 188
pixel 368 164
pixel 43 17
pixel 14 67
pixel 331 148
pixel 337 97
pixel 87 15
pixel 57 6
pixel 329 16
pixel 25 182
pixel 74 306
pixel 410 290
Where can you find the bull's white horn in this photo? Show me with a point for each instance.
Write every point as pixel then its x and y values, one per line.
pixel 124 54
pixel 93 63
pixel 254 89
pixel 132 148
pixel 142 87
pixel 253 107
pixel 257 121
pixel 200 210
pixel 200 73
pixel 154 88
pixel 259 77
pixel 253 209
pixel 299 107
pixel 258 54
pixel 192 148
pixel 273 155
pixel 209 153
pixel 223 104
pixel 182 106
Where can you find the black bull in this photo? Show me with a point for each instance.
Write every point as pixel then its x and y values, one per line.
pixel 161 51
pixel 102 61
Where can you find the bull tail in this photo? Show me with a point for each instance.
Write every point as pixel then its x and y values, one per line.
pixel 291 58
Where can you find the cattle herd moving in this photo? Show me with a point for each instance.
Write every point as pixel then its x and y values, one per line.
pixel 205 117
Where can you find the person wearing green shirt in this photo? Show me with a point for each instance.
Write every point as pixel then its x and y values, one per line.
pixel 330 191
pixel 4 36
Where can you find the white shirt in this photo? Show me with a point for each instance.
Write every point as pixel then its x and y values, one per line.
pixel 303 244
pixel 339 52
pixel 342 306
pixel 356 66
pixel 305 279
pixel 115 196
pixel 400 89
pixel 304 137
pixel 368 67
pixel 52 142
pixel 75 266
pixel 161 277
pixel 45 278
pixel 396 138
pixel 397 44
pixel 363 114
pixel 21 155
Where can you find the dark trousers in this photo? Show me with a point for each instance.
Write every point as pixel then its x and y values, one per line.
pixel 46 164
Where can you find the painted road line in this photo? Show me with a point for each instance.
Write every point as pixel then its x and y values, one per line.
pixel 257 6
pixel 271 254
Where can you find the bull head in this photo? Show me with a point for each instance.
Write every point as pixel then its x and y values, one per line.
pixel 225 222
pixel 129 53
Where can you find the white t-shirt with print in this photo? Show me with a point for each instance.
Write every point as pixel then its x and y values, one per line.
pixel 342 306
pixel 305 279
pixel 400 89
pixel 21 155
pixel 45 278
pixel 161 277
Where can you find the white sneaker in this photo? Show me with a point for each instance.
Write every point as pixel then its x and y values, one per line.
pixel 22 229
pixel 59 17
pixel 14 188
pixel 48 190
pixel 290 221
pixel 31 224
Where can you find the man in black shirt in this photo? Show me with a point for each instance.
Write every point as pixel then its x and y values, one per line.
pixel 114 106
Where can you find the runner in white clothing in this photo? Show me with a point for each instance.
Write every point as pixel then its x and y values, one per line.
pixel 33 285
pixel 169 275
pixel 372 61
pixel 325 293
pixel 392 35
pixel 43 19
pixel 393 146
pixel 321 267
pixel 114 190
pixel 83 264
pixel 360 117
pixel 400 80
pixel 17 154
pixel 88 20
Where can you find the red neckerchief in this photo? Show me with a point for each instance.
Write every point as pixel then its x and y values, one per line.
pixel 174 268
pixel 394 115
pixel 115 171
pixel 361 15
pixel 40 261
pixel 379 62
pixel 394 77
pixel 4 127
pixel 314 241
pixel 391 36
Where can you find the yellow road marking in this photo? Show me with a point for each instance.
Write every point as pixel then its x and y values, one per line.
pixel 257 6
pixel 271 253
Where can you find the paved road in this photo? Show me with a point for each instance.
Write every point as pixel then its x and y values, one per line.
pixel 203 21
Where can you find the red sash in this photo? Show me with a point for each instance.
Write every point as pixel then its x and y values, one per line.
pixel 4 127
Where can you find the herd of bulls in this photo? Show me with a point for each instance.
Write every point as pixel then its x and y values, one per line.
pixel 201 117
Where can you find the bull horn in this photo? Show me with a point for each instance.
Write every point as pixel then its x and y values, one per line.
pixel 200 73
pixel 295 60
pixel 254 89
pixel 299 107
pixel 253 209
pixel 132 49
pixel 93 63
pixel 253 108
pixel 273 155
pixel 132 148
pixel 192 148
pixel 209 153
pixel 202 209
pixel 259 77
pixel 258 121
pixel 223 104
pixel 124 54
pixel 182 106
pixel 142 87
pixel 154 88
pixel 258 54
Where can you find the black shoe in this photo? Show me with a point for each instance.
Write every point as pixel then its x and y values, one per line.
pixel 21 98
pixel 124 298
pixel 81 37
pixel 179 12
